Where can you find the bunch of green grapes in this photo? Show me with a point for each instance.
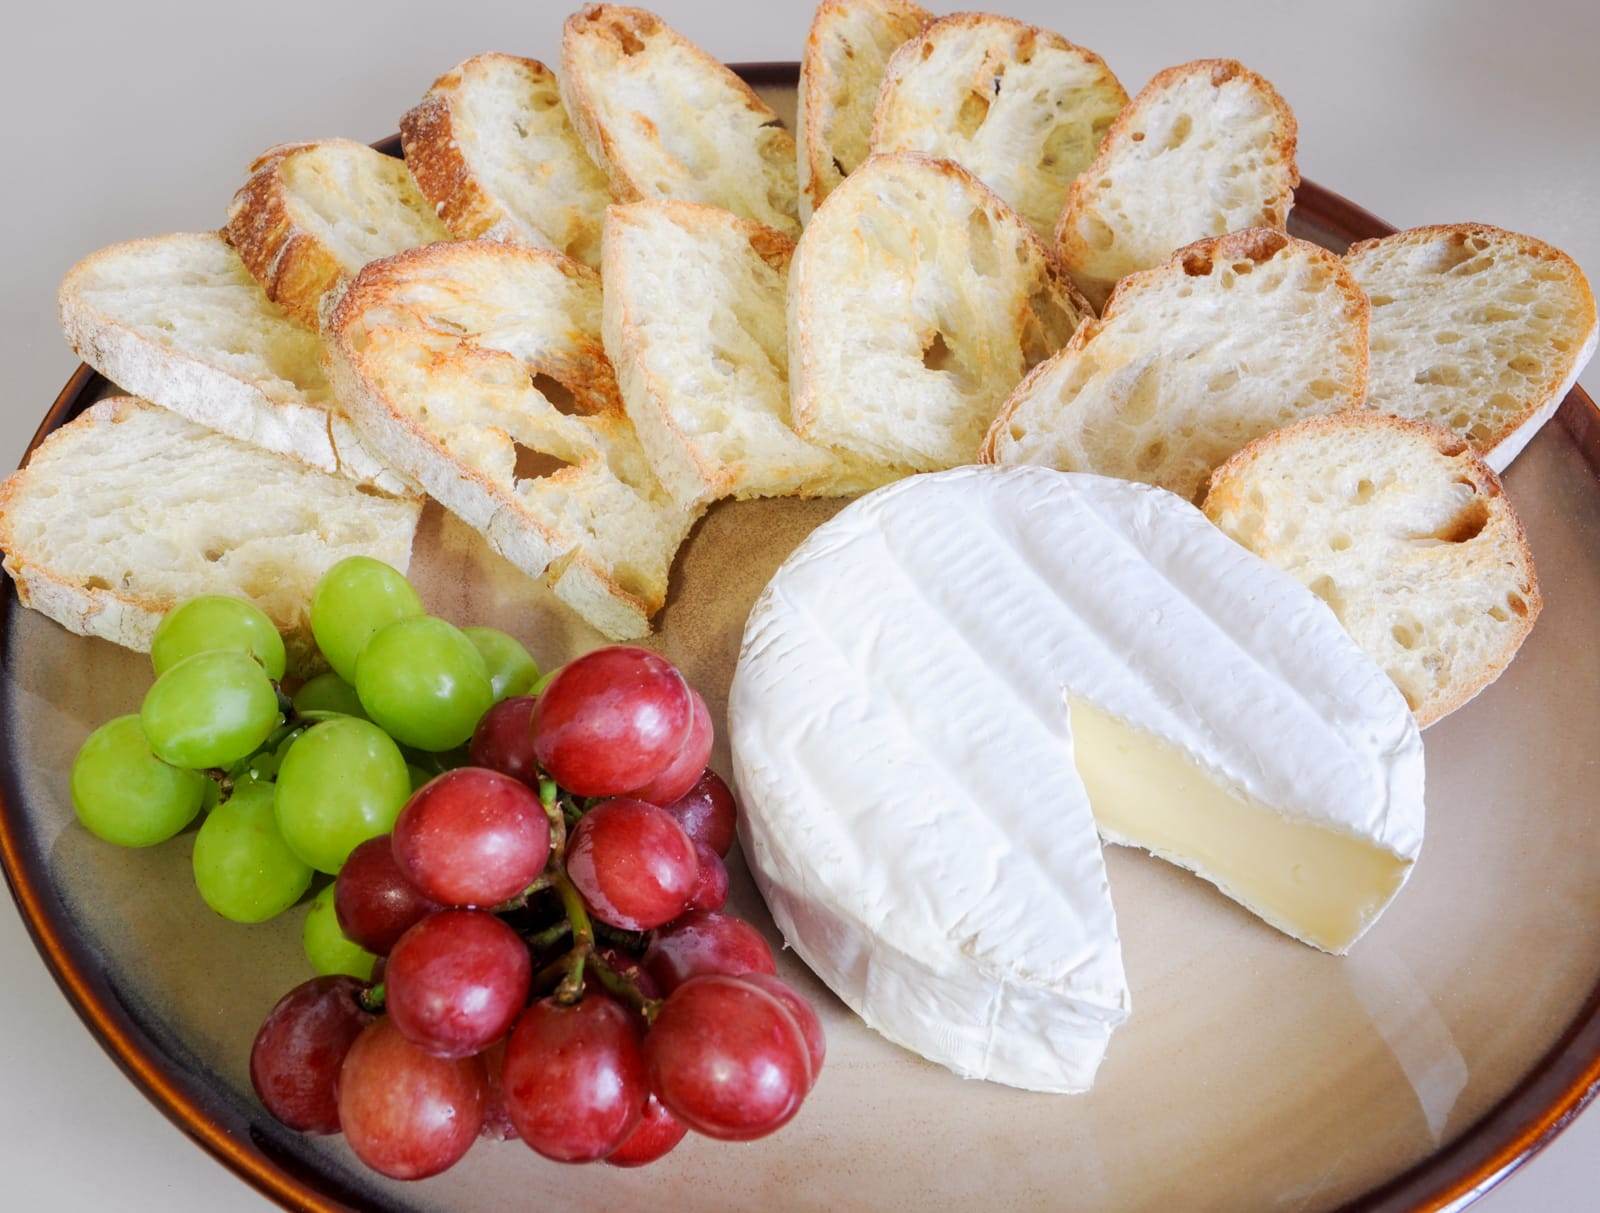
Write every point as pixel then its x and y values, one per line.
pixel 290 786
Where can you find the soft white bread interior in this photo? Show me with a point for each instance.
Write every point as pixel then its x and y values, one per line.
pixel 477 368
pixel 130 509
pixel 694 325
pixel 492 148
pixel 312 214
pixel 917 300
pixel 1404 532
pixel 1478 329
pixel 666 120
pixel 1020 108
pixel 1231 338
pixel 840 74
pixel 1206 148
pixel 179 321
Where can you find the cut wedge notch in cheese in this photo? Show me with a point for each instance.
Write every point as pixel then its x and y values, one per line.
pixel 915 684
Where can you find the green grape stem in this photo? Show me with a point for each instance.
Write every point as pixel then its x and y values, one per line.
pixel 571 987
pixel 373 998
pixel 539 941
pixel 550 802
pixel 624 989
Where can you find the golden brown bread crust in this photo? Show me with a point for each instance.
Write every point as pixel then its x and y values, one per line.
pixel 1225 491
pixel 428 139
pixel 294 269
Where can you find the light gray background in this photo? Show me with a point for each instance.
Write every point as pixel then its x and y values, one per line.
pixel 126 120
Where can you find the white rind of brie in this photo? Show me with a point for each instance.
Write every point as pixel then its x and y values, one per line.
pixel 901 722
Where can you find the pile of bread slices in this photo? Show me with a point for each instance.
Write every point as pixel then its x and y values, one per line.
pixel 586 306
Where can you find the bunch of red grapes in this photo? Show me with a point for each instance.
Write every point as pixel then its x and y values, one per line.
pixel 556 963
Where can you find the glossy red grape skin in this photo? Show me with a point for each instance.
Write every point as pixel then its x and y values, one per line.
pixel 457 981
pixel 406 1113
pixel 704 942
pixel 805 1016
pixel 727 1059
pixel 295 1060
pixel 711 885
pixel 374 901
pixel 503 740
pixel 684 771
pixel 472 837
pixel 707 813
pixel 575 1081
pixel 497 1124
pixel 657 1133
pixel 632 863
pixel 611 721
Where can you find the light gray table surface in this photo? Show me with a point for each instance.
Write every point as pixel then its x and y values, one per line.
pixel 125 120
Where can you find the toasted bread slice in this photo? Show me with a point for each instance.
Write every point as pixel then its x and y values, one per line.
pixel 840 74
pixel 180 321
pixel 917 300
pixel 1232 338
pixel 477 368
pixel 312 214
pixel 130 509
pixel 695 327
pixel 1403 531
pixel 1023 110
pixel 1206 148
pixel 666 120
pixel 1478 329
pixel 491 147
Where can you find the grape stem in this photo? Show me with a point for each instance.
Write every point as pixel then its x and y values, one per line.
pixel 571 987
pixel 520 901
pixel 540 940
pixel 373 998
pixel 624 989
pixel 549 796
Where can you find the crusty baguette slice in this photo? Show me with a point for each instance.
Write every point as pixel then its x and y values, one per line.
pixel 917 300
pixel 694 324
pixel 1403 531
pixel 130 509
pixel 1231 338
pixel 179 321
pixel 1206 148
pixel 312 214
pixel 666 120
pixel 477 368
pixel 1023 110
pixel 491 147
pixel 840 74
pixel 1475 328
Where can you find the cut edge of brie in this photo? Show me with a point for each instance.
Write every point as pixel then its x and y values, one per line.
pixel 1323 886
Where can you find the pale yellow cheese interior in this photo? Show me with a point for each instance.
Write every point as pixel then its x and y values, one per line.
pixel 1319 885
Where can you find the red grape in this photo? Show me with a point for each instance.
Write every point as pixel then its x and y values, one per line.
pixel 804 1013
pixel 681 774
pixel 727 1059
pixel 704 942
pixel 472 837
pixel 497 1124
pixel 408 1114
pixel 294 1063
pixel 706 812
pixel 711 885
pixel 374 902
pixel 632 863
pixel 629 967
pixel 656 1135
pixel 611 721
pixel 575 1080
pixel 503 740
pixel 456 982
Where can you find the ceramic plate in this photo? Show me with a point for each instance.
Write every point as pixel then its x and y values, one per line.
pixel 1256 1073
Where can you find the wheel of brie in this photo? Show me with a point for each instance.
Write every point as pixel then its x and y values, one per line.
pixel 953 691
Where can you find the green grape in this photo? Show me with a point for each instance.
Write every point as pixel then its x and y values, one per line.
pixel 544 681
pixel 511 669
pixel 424 683
pixel 213 792
pixel 326 946
pixel 341 783
pixel 329 693
pixel 124 794
pixel 214 621
pixel 243 868
pixel 209 710
pixel 355 599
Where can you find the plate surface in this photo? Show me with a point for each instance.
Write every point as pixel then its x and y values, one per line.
pixel 1255 1072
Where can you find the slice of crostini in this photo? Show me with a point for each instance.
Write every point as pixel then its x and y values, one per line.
pixel 1404 532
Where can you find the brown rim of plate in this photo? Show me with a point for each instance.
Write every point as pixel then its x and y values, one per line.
pixel 1543 1103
